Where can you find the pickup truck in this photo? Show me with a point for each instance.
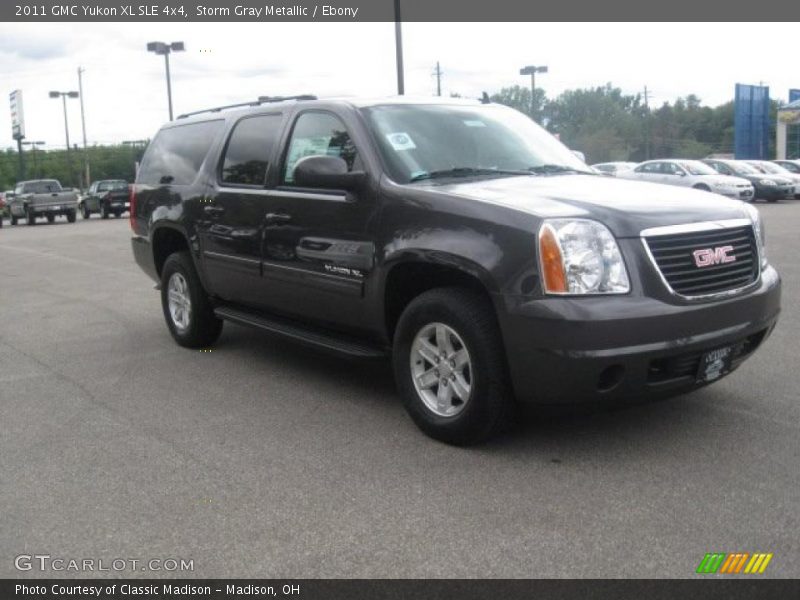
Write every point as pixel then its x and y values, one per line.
pixel 107 197
pixel 459 240
pixel 42 198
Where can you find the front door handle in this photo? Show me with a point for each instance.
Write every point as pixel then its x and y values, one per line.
pixel 213 210
pixel 277 218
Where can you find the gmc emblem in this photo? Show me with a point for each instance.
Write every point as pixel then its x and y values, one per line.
pixel 714 256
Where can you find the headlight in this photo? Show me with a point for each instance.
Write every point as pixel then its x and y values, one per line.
pixel 579 256
pixel 767 182
pixel 758 228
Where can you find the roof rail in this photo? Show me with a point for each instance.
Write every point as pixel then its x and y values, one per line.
pixel 261 100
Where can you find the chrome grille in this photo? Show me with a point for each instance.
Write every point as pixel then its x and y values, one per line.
pixel 673 255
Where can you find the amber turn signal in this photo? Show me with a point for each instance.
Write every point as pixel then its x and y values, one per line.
pixel 552 263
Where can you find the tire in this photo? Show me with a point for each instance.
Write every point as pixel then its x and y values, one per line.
pixel 703 187
pixel 117 214
pixel 72 216
pixel 51 218
pixel 488 406
pixel 201 327
pixel 13 218
pixel 85 212
pixel 31 218
pixel 104 211
pixel 772 200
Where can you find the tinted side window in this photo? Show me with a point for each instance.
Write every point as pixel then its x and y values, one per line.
pixel 177 153
pixel 316 134
pixel 250 149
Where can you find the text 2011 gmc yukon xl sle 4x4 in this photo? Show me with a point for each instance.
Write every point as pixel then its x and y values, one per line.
pixel 459 238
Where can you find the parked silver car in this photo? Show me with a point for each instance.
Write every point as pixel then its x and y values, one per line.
pixel 693 174
pixel 612 168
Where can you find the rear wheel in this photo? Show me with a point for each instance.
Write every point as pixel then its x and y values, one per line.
pixel 13 219
pixel 51 218
pixel 104 211
pixel 72 216
pixel 449 364
pixel 187 310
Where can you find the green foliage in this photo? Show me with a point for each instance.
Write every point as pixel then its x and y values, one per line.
pixel 606 124
pixel 106 162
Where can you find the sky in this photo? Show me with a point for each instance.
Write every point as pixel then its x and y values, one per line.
pixel 125 91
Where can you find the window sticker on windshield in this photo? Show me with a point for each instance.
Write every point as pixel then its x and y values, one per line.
pixel 474 123
pixel 401 141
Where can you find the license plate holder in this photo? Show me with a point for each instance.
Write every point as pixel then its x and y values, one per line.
pixel 714 364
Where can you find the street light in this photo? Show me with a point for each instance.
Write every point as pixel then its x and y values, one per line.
pixel 33 151
pixel 64 96
pixel 165 49
pixel 531 70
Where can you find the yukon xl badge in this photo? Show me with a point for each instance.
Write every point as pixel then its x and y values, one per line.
pixel 714 256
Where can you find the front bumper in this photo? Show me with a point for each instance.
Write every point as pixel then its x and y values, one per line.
pixel 568 350
pixel 775 192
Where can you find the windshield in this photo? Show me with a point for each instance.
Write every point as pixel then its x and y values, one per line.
pixel 419 140
pixel 744 168
pixel 42 187
pixel 768 167
pixel 695 167
pixel 112 186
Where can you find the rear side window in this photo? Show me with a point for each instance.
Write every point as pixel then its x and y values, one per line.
pixel 177 153
pixel 250 149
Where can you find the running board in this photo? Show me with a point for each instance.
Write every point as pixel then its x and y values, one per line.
pixel 302 333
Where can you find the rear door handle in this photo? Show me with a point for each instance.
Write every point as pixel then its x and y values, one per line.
pixel 213 210
pixel 277 218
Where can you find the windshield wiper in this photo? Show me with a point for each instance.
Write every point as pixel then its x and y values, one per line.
pixel 551 168
pixel 465 172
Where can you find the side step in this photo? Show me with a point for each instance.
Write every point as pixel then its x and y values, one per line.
pixel 302 333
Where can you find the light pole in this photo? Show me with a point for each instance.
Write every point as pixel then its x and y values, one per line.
pixel 64 96
pixel 86 174
pixel 531 70
pixel 165 49
pixel 33 145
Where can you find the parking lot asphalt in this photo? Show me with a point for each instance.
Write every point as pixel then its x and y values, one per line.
pixel 265 459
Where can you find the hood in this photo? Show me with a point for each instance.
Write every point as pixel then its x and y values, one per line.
pixel 726 180
pixel 625 207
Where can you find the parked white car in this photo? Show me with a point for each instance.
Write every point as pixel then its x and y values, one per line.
pixel 612 168
pixel 690 173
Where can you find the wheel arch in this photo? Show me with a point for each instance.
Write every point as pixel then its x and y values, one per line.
pixel 412 274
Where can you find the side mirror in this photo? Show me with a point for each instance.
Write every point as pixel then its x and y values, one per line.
pixel 681 174
pixel 329 172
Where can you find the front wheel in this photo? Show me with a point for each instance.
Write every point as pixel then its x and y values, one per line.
pixel 31 217
pixel 85 212
pixel 187 310
pixel 449 364
pixel 703 187
pixel 12 218
pixel 104 211
pixel 51 218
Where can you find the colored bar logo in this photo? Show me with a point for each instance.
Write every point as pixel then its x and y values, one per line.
pixel 734 563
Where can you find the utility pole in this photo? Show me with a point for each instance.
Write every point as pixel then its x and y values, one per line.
pixel 398 41
pixel 438 73
pixel 86 176
pixel 646 126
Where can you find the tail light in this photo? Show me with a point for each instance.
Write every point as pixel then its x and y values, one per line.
pixel 132 206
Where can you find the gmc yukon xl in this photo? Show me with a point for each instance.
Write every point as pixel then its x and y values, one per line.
pixel 461 240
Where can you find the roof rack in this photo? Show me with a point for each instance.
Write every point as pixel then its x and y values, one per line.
pixel 261 100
